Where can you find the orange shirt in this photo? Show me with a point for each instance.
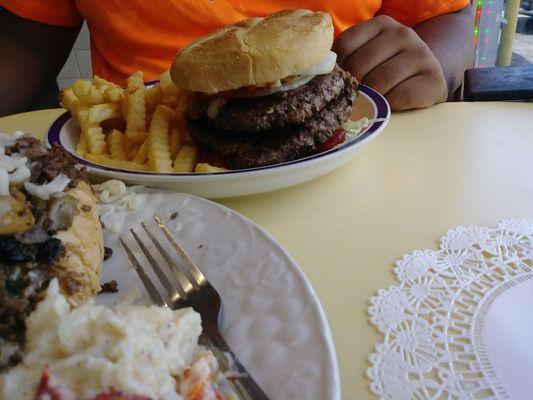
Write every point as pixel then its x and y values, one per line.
pixel 130 35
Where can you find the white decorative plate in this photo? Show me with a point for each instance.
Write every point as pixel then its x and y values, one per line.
pixel 272 318
pixel 368 103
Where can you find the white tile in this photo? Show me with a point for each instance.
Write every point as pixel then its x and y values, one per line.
pixel 83 58
pixel 64 83
pixel 83 42
pixel 70 69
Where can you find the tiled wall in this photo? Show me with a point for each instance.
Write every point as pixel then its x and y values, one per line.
pixel 78 64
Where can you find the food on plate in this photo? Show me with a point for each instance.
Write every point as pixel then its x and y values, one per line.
pixel 94 352
pixel 49 228
pixel 265 90
pixel 260 92
pixel 116 201
pixel 136 128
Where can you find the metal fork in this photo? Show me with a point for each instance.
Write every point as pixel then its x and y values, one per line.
pixel 188 287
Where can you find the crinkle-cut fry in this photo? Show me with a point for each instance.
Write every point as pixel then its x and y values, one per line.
pixel 167 86
pixel 101 83
pixel 82 116
pixel 81 148
pixel 114 94
pixel 135 113
pixel 127 143
pixel 87 92
pixel 174 141
pixel 116 145
pixel 183 102
pixel 69 100
pixel 132 153
pixel 136 137
pixel 154 96
pixel 102 112
pixel 140 157
pixel 186 159
pixel 158 143
pixel 95 139
pixel 170 101
pixel 135 82
pixel 122 164
pixel 81 87
pixel 181 123
pixel 206 168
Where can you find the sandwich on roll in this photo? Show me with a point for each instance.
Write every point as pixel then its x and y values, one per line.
pixel 49 228
pixel 265 90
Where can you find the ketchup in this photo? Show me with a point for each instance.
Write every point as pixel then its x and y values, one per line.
pixel 338 137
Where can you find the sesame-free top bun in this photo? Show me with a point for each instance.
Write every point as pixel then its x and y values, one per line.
pixel 254 51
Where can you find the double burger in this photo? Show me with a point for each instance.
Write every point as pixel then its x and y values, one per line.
pixel 266 90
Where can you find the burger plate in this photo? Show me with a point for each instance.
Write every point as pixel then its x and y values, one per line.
pixel 369 104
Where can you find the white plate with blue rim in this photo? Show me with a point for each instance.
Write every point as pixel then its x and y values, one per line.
pixel 369 106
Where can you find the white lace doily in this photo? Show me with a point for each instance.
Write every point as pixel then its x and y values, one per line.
pixel 446 324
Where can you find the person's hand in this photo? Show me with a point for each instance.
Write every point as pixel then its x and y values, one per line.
pixel 392 59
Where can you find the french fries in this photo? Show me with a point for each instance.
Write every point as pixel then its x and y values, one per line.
pixel 186 159
pixel 135 114
pixel 205 168
pixel 158 145
pixel 116 145
pixel 135 128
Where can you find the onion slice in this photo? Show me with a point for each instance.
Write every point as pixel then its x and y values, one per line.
pixel 323 67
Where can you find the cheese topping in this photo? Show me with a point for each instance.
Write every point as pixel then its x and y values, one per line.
pixel 13 168
pixel 48 190
pixel 116 200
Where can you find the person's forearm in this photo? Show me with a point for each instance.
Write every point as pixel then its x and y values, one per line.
pixel 31 56
pixel 450 38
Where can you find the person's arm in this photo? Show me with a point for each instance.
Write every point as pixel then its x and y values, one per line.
pixel 32 54
pixel 393 59
pixel 450 38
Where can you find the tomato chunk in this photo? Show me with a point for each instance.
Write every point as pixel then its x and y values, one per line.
pixel 51 389
pixel 338 137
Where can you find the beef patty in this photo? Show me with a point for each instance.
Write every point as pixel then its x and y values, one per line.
pixel 275 146
pixel 277 128
pixel 279 110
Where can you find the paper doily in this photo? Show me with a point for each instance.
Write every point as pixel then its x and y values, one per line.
pixel 433 321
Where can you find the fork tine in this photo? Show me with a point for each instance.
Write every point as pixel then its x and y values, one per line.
pixel 149 286
pixel 197 275
pixel 172 292
pixel 179 275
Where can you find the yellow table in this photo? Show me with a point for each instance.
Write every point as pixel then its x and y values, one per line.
pixel 430 170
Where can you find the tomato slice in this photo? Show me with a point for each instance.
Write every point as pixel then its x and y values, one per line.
pixel 245 92
pixel 338 137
